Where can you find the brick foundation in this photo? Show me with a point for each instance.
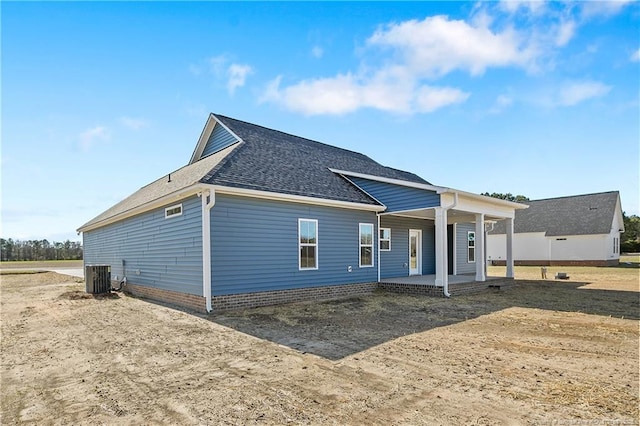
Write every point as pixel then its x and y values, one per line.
pixel 184 300
pixel 612 262
pixel 277 297
pixel 417 289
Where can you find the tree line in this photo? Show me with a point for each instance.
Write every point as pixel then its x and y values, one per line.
pixel 39 250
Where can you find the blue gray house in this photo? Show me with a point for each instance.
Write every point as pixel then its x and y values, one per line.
pixel 260 217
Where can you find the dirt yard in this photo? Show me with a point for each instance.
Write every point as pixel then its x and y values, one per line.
pixel 543 353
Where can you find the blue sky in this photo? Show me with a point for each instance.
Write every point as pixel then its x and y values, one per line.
pixel 99 99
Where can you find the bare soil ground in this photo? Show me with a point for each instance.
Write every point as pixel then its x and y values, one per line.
pixel 538 353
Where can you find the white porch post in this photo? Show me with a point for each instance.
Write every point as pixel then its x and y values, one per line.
pixel 441 247
pixel 509 225
pixel 479 247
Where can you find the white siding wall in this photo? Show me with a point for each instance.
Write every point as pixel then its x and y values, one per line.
pixel 535 246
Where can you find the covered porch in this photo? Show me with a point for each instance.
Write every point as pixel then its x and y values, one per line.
pixel 474 215
pixel 457 284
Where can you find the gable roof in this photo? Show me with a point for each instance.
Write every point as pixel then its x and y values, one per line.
pixel 274 161
pixel 587 214
pixel 262 159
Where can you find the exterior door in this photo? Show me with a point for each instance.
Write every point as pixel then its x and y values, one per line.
pixel 415 252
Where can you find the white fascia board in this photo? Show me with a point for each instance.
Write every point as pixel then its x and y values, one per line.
pixel 151 205
pixel 484 198
pixel 295 198
pixel 204 137
pixel 212 122
pixel 479 204
pixel 437 189
pixel 388 180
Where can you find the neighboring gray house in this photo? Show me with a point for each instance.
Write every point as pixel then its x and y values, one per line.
pixel 574 230
pixel 259 216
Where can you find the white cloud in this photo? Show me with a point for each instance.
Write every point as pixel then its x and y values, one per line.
pixel 90 136
pixel 218 65
pixel 317 52
pixel 347 93
pixel 566 31
pixel 535 7
pixel 426 49
pixel 603 9
pixel 430 99
pixel 635 56
pixel 230 74
pixel 237 75
pixel 437 45
pixel 575 92
pixel 502 102
pixel 337 95
pixel 134 123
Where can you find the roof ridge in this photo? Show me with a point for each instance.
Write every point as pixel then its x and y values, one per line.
pixel 296 136
pixel 574 196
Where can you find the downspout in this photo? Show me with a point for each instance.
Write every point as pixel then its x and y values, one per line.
pixel 445 287
pixel 378 216
pixel 208 201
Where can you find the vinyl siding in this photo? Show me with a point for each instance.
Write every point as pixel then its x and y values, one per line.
pixel 161 253
pixel 462 261
pixel 398 198
pixel 394 263
pixel 218 140
pixel 254 246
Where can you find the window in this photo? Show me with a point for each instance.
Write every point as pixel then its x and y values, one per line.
pixel 173 211
pixel 385 239
pixel 471 246
pixel 366 244
pixel 615 245
pixel 308 243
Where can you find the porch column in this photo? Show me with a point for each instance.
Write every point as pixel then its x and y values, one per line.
pixel 509 225
pixel 479 248
pixel 442 269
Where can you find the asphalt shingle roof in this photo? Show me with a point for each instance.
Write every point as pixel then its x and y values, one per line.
pixel 267 160
pixel 274 161
pixel 180 179
pixel 587 214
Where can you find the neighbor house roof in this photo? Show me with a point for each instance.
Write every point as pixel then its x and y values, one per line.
pixel 587 214
pixel 263 160
pixel 274 161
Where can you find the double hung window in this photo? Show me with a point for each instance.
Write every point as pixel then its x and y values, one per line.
pixel 366 244
pixel 308 243
pixel 385 239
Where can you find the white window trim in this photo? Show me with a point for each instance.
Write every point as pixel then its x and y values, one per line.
pixel 471 247
pixel 169 216
pixel 380 239
pixel 300 245
pixel 360 245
